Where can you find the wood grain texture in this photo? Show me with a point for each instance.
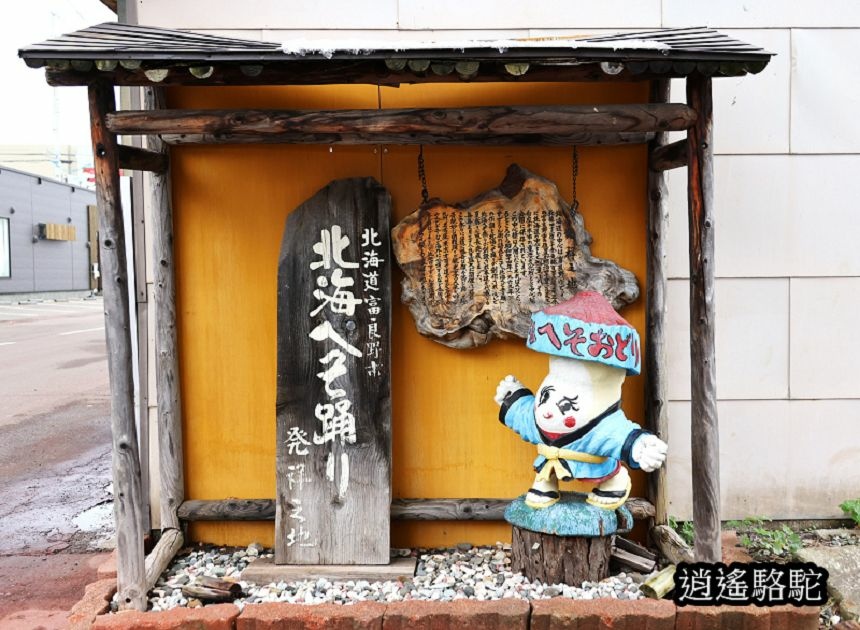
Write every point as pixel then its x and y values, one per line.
pixel 665 157
pixel 630 560
pixel 169 399
pixel 478 269
pixel 333 404
pixel 481 122
pixel 584 138
pixel 671 545
pixel 129 509
pixel 137 159
pixel 162 555
pixel 401 509
pixel 656 369
pixel 560 559
pixel 705 438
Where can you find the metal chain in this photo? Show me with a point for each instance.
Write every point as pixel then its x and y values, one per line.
pixel 574 166
pixel 422 175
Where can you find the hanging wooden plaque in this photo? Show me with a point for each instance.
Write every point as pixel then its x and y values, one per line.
pixel 478 269
pixel 333 396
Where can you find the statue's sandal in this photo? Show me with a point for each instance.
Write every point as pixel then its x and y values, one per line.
pixel 620 495
pixel 552 495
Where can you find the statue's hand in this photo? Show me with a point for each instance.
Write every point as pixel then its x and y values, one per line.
pixel 506 387
pixel 649 452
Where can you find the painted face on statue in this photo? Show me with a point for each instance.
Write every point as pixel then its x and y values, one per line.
pixel 574 393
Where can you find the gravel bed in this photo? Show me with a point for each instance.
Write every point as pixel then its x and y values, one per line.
pixel 464 572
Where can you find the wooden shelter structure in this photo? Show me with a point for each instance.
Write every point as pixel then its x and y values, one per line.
pixel 111 55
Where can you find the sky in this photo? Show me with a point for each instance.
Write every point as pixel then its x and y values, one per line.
pixel 32 112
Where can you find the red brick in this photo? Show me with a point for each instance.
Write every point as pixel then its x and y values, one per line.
pixel 509 614
pixel 719 617
pixel 96 601
pixel 794 617
pixel 595 614
pixel 731 547
pixel 215 617
pixel 362 616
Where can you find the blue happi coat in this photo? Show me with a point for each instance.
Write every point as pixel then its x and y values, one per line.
pixel 611 436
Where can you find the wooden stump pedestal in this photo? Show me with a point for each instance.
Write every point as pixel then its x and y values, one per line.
pixel 567 543
pixel 554 559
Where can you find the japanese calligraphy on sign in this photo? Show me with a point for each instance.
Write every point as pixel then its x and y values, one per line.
pixel 333 404
pixel 478 269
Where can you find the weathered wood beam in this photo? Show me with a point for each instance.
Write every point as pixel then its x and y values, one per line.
pixel 705 453
pixel 401 509
pixel 128 498
pixel 137 159
pixel 170 454
pixel 162 554
pixel 656 386
pixel 665 157
pixel 670 544
pixel 373 72
pixel 409 125
pixel 582 139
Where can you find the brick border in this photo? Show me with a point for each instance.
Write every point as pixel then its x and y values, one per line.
pixel 514 614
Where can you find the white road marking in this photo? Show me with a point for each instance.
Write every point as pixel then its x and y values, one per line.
pixel 76 332
pixel 7 343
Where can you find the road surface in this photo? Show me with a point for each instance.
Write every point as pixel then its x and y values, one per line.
pixel 55 490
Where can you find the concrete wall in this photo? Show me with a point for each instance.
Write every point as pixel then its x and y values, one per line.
pixel 788 265
pixel 44 265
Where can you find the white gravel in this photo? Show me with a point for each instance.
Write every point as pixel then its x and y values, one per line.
pixel 464 572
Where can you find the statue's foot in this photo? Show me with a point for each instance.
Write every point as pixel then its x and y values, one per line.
pixel 609 499
pixel 539 499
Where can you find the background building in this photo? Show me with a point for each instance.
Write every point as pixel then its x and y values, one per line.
pixel 48 238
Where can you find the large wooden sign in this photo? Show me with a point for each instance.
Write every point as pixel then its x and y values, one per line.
pixel 478 269
pixel 333 399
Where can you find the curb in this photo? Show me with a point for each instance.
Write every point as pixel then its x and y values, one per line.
pixel 552 614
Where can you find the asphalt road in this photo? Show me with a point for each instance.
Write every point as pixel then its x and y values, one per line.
pixel 55 490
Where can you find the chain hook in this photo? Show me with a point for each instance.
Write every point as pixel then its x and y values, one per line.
pixel 422 175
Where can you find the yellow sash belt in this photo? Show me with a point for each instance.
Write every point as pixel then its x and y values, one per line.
pixel 553 454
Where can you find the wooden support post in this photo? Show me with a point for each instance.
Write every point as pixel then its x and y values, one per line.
pixel 170 455
pixel 705 451
pixel 656 389
pixel 128 499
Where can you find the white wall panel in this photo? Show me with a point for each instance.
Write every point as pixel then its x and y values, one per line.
pixel 761 13
pixel 485 14
pixel 751 113
pixel 824 340
pixel 260 14
pixel 751 339
pixel 778 459
pixel 825 91
pixel 751 231
pixel 283 35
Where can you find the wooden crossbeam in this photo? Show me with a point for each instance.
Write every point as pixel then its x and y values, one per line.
pixel 668 156
pixel 137 159
pixel 401 509
pixel 578 124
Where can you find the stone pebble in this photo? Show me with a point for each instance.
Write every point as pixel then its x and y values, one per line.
pixel 462 572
